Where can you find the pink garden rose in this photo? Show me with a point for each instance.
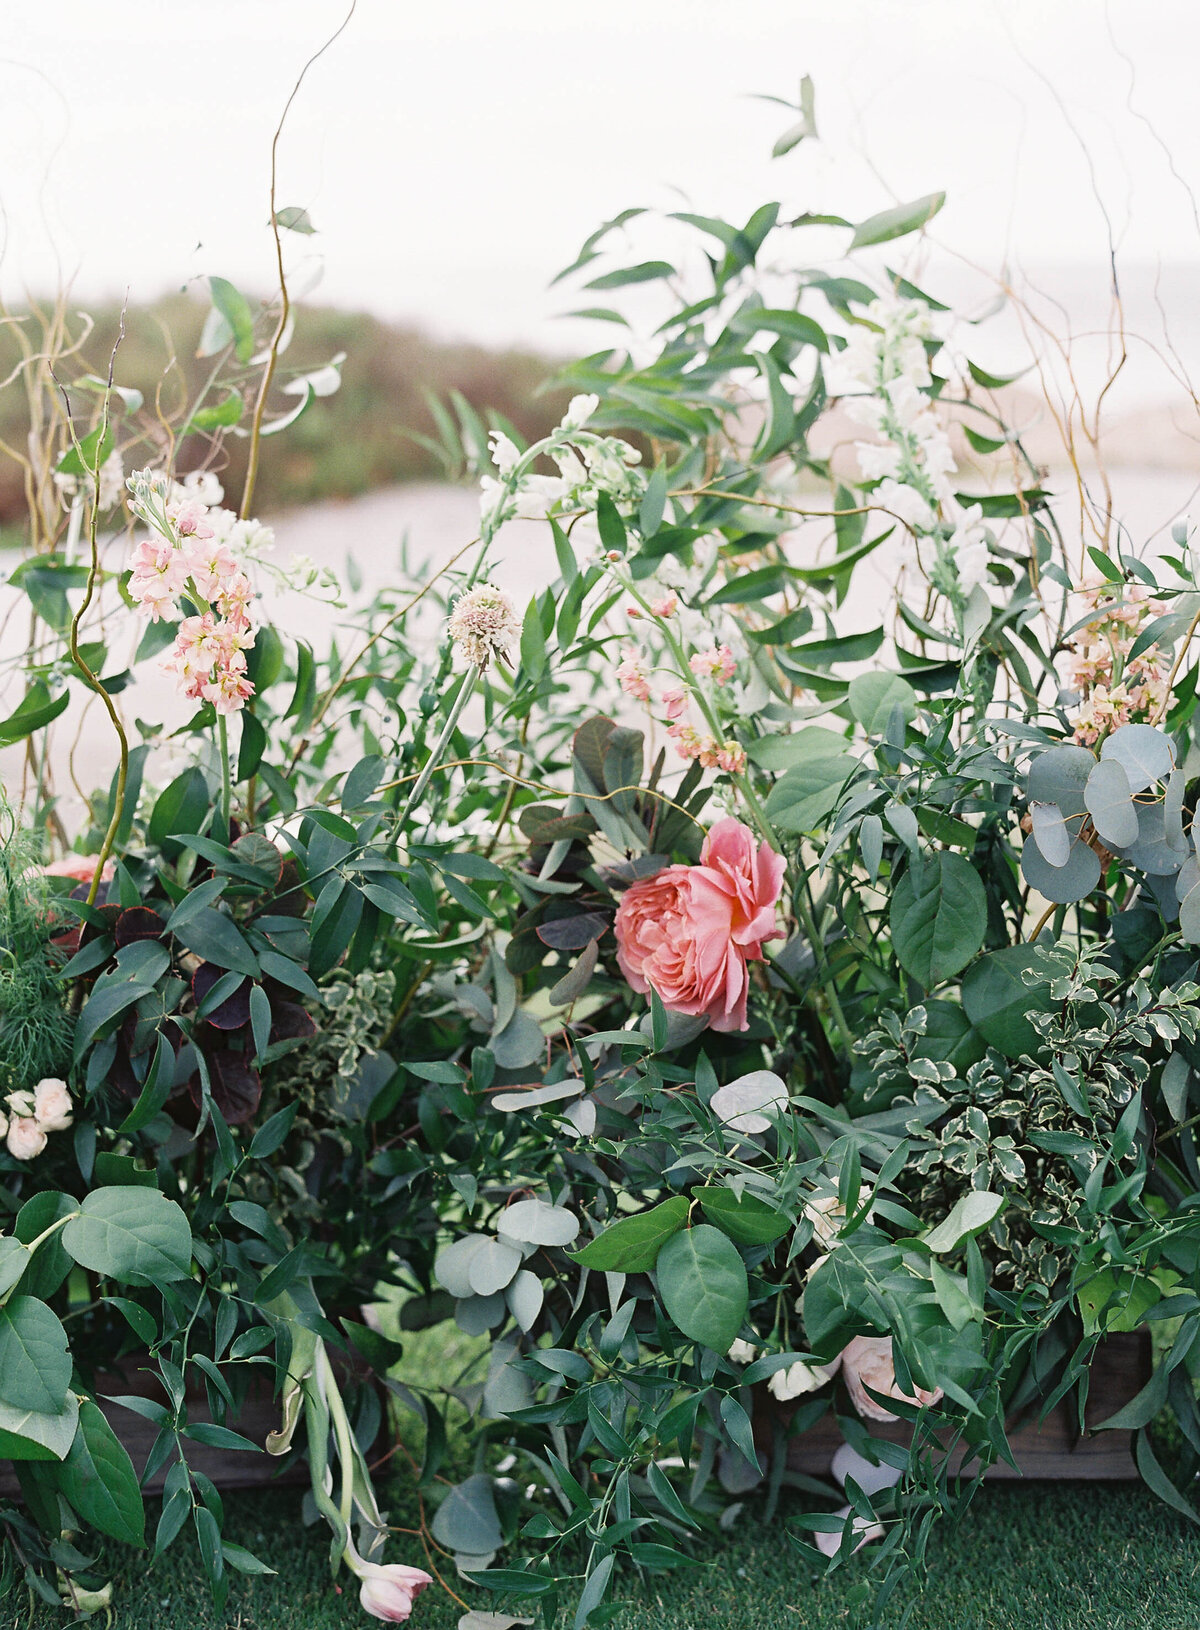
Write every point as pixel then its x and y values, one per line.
pixel 867 1362
pixel 689 931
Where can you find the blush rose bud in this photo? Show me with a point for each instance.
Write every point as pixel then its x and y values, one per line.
pixel 389 1589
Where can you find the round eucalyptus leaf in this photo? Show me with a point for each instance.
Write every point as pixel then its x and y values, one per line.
pixel 533 1222
pixel 524 1297
pixel 492 1267
pixel 466 1520
pixel 1059 776
pixel 475 1315
pixel 519 1044
pixel 1154 852
pixel 450 1269
pixel 1109 802
pixel 1144 752
pixel 938 917
pixel 741 1103
pixel 1187 878
pixel 1050 833
pixel 1062 885
pixel 1189 916
pixel 1173 807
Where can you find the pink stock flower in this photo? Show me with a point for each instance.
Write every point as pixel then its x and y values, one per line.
pixel 190 519
pixel 209 659
pixel 731 757
pixel 716 663
pixel 229 691
pixel 867 1362
pixel 631 677
pixel 688 932
pixel 234 599
pixel 211 566
pixel 666 607
pixel 389 1589
pixel 160 573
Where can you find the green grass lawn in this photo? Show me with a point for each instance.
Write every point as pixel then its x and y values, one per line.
pixel 1041 1557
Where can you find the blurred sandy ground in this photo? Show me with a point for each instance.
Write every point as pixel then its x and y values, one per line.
pixel 436 521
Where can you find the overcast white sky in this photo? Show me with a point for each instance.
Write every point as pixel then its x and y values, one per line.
pixel 454 155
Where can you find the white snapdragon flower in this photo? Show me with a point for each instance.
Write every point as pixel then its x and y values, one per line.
pixel 579 410
pixel 878 459
pixel 906 503
pixel 505 452
pixel 537 495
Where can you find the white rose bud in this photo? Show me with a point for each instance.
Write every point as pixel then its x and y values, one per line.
pixel 52 1106
pixel 25 1138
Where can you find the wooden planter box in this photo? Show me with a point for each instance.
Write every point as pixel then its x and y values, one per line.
pixel 228 1468
pixel 1050 1450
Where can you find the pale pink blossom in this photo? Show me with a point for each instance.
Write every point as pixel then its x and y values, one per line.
pixel 26 1139
pixel 189 518
pixel 211 566
pixel 631 676
pixel 689 932
pixel 52 1106
pixel 159 576
pixel 389 1589
pixel 731 757
pixel 666 607
pixel 674 703
pixel 716 663
pixel 867 1362
pixel 233 601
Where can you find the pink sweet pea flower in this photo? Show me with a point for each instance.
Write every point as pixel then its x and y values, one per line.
pixel 666 607
pixel 689 932
pixel 389 1589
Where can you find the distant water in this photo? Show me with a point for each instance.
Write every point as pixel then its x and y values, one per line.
pixel 436 521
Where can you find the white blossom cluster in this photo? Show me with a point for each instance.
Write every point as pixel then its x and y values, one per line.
pixel 588 465
pixel 912 460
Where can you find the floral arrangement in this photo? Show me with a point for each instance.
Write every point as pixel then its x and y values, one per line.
pixel 728 1016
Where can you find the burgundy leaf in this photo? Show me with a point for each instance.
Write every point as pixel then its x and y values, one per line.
pixel 236 1086
pixel 138 923
pixel 573 933
pixel 234 1011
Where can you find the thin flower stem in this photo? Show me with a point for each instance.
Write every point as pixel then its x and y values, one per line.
pixel 431 763
pixel 226 775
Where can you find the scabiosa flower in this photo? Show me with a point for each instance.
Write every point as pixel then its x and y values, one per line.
pixel 716 663
pixel 631 676
pixel 483 625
